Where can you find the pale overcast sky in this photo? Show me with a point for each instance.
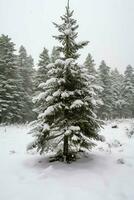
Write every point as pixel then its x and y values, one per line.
pixel 107 24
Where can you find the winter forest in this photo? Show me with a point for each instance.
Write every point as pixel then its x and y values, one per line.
pixel 62 118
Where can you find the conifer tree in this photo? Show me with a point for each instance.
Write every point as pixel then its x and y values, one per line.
pixel 94 84
pixel 55 54
pixel 118 103
pixel 25 64
pixel 66 123
pixel 89 63
pixel 10 105
pixel 128 92
pixel 105 110
pixel 41 75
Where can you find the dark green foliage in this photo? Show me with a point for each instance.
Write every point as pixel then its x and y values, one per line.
pixel 26 71
pixel 89 63
pixel 41 74
pixel 105 110
pixel 10 105
pixel 55 54
pixel 128 92
pixel 69 47
pixel 117 94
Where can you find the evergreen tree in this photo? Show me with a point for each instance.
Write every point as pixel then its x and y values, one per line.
pixel 10 105
pixel 68 34
pixel 55 54
pixel 117 94
pixel 66 123
pixel 89 63
pixel 105 110
pixel 42 70
pixel 25 64
pixel 93 79
pixel 128 92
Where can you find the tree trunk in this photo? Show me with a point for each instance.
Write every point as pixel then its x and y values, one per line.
pixel 65 148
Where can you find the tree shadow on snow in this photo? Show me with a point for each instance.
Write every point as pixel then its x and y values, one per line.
pixel 93 161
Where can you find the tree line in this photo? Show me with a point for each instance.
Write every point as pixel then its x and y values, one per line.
pixel 19 83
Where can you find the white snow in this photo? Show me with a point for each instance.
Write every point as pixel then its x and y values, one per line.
pixel 59 62
pixel 57 93
pixel 106 174
pixel 76 104
pixel 50 66
pixel 64 95
pixel 49 111
pixel 68 31
pixel 51 81
pixel 69 61
pixel 39 97
pixel 46 127
pixel 74 128
pixel 67 94
pixel 49 98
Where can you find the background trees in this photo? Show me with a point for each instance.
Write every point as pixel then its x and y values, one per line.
pixel 105 110
pixel 26 72
pixel 15 83
pixel 113 93
pixel 10 105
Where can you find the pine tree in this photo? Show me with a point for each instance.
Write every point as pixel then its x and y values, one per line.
pixel 25 64
pixel 55 54
pixel 105 110
pixel 66 123
pixel 128 92
pixel 41 75
pixel 10 105
pixel 117 94
pixel 93 80
pixel 89 63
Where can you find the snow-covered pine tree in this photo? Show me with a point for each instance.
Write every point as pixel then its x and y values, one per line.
pixel 117 80
pixel 26 71
pixel 41 74
pixel 89 64
pixel 10 106
pixel 105 110
pixel 128 92
pixel 55 54
pixel 66 123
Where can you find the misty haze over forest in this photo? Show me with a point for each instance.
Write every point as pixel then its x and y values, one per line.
pixel 108 25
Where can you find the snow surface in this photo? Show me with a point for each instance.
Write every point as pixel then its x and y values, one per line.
pixel 106 174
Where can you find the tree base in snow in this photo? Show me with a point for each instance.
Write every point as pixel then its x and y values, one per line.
pixel 72 156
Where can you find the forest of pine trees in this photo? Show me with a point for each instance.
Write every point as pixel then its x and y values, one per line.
pixel 20 80
pixel 112 93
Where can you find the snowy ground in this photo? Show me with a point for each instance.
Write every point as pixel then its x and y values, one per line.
pixel 107 174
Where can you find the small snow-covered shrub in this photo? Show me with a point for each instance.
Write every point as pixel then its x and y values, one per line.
pixel 116 143
pixel 130 132
pixel 121 161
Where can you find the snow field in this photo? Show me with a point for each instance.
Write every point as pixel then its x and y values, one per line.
pixel 106 174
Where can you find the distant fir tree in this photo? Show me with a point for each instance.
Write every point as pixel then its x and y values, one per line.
pixel 118 103
pixel 93 78
pixel 55 54
pixel 105 110
pixel 66 123
pixel 26 71
pixel 41 74
pixel 10 103
pixel 128 92
pixel 89 63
